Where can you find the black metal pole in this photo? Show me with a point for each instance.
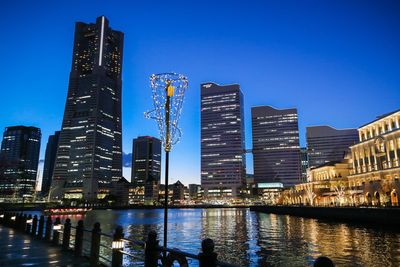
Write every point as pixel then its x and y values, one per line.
pixel 167 149
pixel 166 199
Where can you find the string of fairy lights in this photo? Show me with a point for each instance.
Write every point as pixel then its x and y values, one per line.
pixel 159 84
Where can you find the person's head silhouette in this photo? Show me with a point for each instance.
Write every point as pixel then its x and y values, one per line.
pixel 323 262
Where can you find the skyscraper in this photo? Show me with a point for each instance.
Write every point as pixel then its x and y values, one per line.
pixel 19 158
pixel 50 158
pixel 304 163
pixel 146 165
pixel 222 140
pixel 325 144
pixel 276 150
pixel 89 151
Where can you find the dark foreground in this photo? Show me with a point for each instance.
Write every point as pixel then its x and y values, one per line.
pixel 18 249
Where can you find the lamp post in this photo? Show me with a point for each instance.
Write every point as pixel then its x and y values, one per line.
pixel 168 92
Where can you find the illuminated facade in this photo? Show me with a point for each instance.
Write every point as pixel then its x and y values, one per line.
pixel 19 158
pixel 326 144
pixel 49 160
pixel 89 154
pixel 222 140
pixel 368 176
pixel 276 150
pixel 376 162
pixel 146 165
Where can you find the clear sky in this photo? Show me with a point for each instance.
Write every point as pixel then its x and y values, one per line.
pixel 337 62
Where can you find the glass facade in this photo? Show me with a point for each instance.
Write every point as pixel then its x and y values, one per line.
pixel 89 155
pixel 326 144
pixel 146 165
pixel 222 140
pixel 19 159
pixel 49 160
pixel 276 150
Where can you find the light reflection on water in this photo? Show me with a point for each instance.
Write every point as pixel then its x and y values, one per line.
pixel 257 239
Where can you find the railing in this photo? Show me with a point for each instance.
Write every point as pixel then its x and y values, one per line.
pixel 108 250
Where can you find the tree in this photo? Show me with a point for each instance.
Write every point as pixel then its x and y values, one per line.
pixel 310 195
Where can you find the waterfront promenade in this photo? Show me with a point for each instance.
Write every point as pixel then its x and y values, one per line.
pixel 18 249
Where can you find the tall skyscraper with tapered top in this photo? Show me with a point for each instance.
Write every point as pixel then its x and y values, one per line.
pixel 223 160
pixel 89 154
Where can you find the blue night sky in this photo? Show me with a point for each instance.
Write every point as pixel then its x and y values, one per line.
pixel 337 62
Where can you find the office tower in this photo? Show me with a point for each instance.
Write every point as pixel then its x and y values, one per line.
pixel 326 144
pixel 146 165
pixel 276 150
pixel 89 151
pixel 19 158
pixel 304 163
pixel 223 160
pixel 50 158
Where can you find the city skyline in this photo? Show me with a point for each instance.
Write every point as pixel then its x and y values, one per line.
pixel 339 70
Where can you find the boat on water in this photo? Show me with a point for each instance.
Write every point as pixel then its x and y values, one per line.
pixel 66 211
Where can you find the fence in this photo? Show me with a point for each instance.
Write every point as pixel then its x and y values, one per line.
pixel 108 250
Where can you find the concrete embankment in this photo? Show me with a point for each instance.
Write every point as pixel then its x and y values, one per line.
pixel 372 215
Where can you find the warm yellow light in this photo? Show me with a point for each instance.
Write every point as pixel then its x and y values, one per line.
pixel 13 218
pixel 117 244
pixel 1 215
pixel 29 221
pixel 171 90
pixel 57 227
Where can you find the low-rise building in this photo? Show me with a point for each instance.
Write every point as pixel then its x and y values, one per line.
pixel 376 165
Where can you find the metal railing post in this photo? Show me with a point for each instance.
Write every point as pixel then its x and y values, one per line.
pixel 66 234
pixel 95 245
pixel 34 225
pixel 79 239
pixel 41 227
pixel 29 225
pixel 56 233
pixel 23 223
pixel 47 233
pixel 207 258
pixel 151 252
pixel 116 253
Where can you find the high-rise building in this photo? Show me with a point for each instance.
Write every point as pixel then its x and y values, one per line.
pixel 325 144
pixel 146 165
pixel 19 159
pixel 223 163
pixel 89 154
pixel 276 150
pixel 304 163
pixel 49 159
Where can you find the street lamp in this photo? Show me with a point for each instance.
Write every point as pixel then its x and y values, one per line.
pixel 168 92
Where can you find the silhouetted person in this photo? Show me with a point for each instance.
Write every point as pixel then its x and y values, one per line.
pixel 323 262
pixel 208 258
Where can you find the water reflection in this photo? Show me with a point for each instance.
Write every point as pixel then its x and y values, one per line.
pixel 256 239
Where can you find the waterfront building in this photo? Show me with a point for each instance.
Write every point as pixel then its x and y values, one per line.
pixel 146 165
pixel 49 160
pixel 376 161
pixel 276 149
pixel 326 144
pixel 368 175
pixel 19 159
pixel 326 185
pixel 178 192
pixel 304 163
pixel 194 191
pixel 222 140
pixel 120 192
pixel 89 154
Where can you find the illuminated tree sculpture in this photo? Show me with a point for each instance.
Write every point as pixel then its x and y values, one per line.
pixel 168 93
